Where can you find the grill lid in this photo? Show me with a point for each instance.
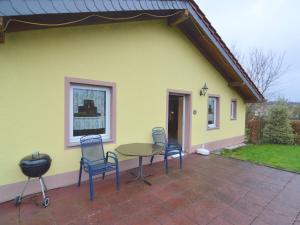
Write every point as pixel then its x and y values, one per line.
pixel 35 160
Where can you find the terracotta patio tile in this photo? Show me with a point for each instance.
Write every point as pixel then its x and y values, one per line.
pixel 44 216
pixel 275 218
pixel 31 209
pixel 193 195
pixel 209 190
pixel 117 197
pixel 158 212
pixel 296 180
pixel 268 195
pixel 229 194
pixel 177 219
pixel 283 209
pixel 259 222
pixel 256 198
pixel 204 211
pixel 78 221
pixel 147 199
pixel 235 217
pixel 289 198
pixel 262 170
pixel 9 214
pixel 121 222
pixel 176 203
pixel 247 207
pixel 219 221
pixel 127 208
pixel 104 217
pixel 141 218
pixel 206 187
pixel 163 193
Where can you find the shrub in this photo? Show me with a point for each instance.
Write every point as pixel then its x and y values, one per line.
pixel 278 129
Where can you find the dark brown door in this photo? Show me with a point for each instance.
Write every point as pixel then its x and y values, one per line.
pixel 175 119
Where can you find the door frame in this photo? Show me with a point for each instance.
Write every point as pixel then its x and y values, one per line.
pixel 187 132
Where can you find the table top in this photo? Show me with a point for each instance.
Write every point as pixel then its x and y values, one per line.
pixel 139 149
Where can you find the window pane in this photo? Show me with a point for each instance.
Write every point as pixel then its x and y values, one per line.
pixel 233 110
pixel 211 111
pixel 89 107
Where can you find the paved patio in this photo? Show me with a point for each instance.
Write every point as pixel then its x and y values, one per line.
pixel 210 190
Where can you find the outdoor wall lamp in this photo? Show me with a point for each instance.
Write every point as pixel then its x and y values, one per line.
pixel 203 90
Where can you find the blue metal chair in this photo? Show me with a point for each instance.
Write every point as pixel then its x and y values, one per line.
pixel 159 138
pixel 95 162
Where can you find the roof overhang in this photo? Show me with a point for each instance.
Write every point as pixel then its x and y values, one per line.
pixel 184 14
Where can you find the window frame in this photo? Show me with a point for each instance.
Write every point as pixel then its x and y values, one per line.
pixel 233 111
pixel 105 136
pixel 109 87
pixel 216 125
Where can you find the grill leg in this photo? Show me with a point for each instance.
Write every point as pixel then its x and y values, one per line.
pixel 18 199
pixel 45 201
pixel 42 186
pixel 24 188
pixel 45 187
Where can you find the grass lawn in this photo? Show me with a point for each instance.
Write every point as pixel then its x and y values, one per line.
pixel 285 157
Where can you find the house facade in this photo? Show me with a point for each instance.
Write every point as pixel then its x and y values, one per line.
pixel 118 78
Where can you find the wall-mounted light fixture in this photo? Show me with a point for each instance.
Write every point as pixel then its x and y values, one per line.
pixel 203 90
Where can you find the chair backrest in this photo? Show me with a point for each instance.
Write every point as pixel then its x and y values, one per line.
pixel 159 136
pixel 92 148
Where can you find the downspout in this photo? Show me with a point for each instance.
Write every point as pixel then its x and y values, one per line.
pixel 2 33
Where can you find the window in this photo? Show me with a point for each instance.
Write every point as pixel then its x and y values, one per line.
pixel 213 112
pixel 233 109
pixel 89 109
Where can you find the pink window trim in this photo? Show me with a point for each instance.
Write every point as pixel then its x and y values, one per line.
pixel 233 100
pixel 111 85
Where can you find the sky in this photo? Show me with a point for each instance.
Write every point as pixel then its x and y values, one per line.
pixel 264 24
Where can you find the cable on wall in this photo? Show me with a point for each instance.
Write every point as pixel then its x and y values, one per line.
pixel 86 18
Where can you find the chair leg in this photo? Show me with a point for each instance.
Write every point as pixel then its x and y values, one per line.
pixel 180 158
pixel 103 175
pixel 80 173
pixel 91 187
pixel 117 178
pixel 151 160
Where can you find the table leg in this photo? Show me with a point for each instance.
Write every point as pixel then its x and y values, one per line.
pixel 140 173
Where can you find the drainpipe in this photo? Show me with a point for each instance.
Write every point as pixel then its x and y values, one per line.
pixel 2 34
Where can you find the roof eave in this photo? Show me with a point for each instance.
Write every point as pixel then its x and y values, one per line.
pixel 229 58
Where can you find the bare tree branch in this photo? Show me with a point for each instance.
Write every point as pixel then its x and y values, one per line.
pixel 264 68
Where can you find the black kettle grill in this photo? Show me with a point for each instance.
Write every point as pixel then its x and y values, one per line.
pixel 35 166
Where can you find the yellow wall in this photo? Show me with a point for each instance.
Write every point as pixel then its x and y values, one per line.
pixel 143 58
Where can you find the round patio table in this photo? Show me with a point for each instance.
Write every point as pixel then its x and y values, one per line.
pixel 141 150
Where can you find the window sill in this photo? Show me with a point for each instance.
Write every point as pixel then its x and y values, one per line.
pixel 213 128
pixel 75 144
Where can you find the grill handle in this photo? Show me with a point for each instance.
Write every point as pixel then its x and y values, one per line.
pixel 36 155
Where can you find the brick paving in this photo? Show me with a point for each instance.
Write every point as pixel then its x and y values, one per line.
pixel 209 190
